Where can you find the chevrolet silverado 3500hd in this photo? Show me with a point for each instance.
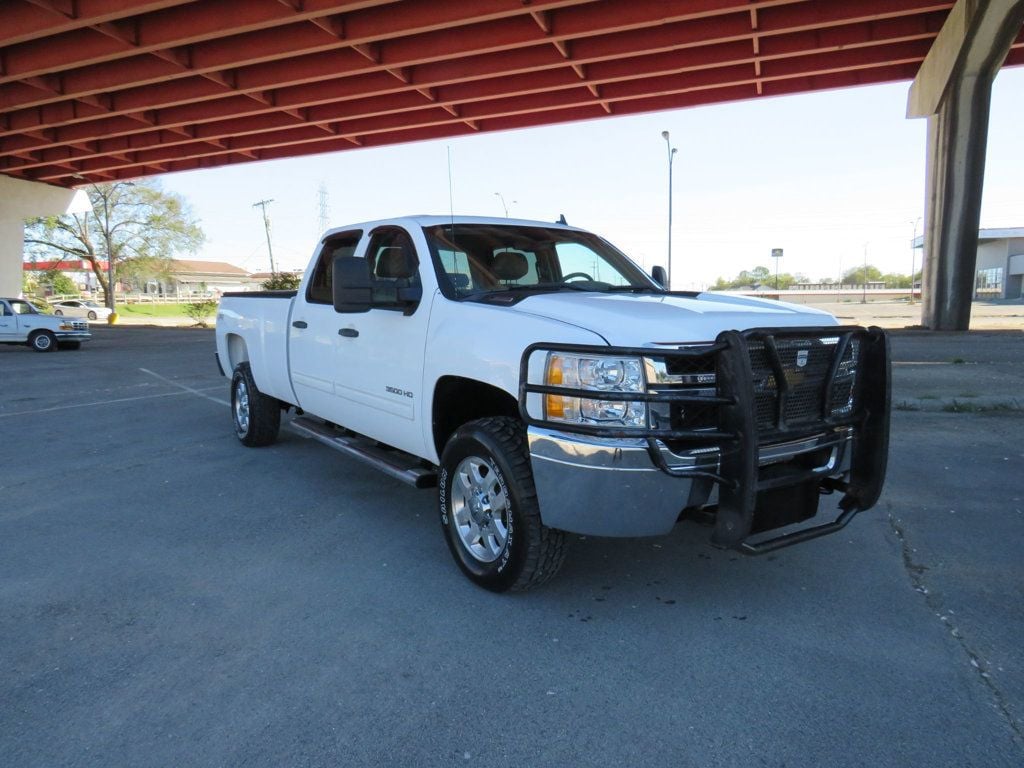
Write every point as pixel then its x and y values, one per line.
pixel 544 384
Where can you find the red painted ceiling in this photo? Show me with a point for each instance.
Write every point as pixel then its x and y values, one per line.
pixel 96 90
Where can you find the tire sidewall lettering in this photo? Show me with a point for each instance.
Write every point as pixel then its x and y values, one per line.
pixel 442 495
pixel 506 553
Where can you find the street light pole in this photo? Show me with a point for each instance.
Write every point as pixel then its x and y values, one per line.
pixel 503 205
pixel 671 156
pixel 913 257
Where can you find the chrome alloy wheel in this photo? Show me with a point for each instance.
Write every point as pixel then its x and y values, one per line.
pixel 241 407
pixel 480 509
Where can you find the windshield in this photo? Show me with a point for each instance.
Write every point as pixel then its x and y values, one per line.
pixel 481 259
pixel 21 307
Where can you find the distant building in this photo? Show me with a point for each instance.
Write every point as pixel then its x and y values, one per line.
pixel 79 270
pixel 1000 266
pixel 187 277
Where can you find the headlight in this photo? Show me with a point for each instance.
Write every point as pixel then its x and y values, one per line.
pixel 600 374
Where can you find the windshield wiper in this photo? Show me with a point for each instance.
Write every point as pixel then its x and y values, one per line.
pixel 636 288
pixel 587 286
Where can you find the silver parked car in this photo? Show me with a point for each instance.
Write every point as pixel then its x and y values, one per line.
pixel 81 308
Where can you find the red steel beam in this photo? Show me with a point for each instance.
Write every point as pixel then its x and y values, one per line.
pixel 414 116
pixel 141 104
pixel 568 114
pixel 328 65
pixel 460 94
pixel 24 20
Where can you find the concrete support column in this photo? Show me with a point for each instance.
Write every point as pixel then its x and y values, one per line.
pixel 11 247
pixel 953 90
pixel 20 200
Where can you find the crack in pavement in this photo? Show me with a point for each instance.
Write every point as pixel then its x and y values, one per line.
pixel 916 572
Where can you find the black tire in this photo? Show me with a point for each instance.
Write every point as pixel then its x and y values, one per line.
pixel 91 315
pixel 43 341
pixel 494 451
pixel 71 345
pixel 58 313
pixel 256 416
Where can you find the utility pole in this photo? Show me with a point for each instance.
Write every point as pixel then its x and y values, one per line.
pixel 266 225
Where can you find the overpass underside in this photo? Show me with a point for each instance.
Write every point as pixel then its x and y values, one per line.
pixel 100 90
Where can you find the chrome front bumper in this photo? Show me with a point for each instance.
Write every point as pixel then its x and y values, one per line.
pixel 72 335
pixel 615 487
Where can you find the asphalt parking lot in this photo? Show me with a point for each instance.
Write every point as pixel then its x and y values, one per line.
pixel 169 597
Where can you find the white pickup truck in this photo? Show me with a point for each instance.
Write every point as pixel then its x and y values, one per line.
pixel 22 323
pixel 545 384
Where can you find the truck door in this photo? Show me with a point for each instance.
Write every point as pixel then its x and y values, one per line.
pixel 313 339
pixel 380 355
pixel 8 323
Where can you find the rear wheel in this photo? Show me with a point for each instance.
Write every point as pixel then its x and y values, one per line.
pixel 257 417
pixel 43 341
pixel 489 510
pixel 58 313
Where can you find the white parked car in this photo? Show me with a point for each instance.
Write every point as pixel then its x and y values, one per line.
pixel 86 308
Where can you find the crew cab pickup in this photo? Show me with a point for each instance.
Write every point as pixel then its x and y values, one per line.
pixel 22 323
pixel 544 384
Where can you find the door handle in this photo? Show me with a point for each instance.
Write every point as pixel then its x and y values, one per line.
pixel 349 333
pixel 300 324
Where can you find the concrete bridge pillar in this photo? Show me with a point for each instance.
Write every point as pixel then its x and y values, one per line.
pixel 20 200
pixel 953 90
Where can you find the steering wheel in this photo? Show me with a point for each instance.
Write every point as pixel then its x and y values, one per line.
pixel 571 275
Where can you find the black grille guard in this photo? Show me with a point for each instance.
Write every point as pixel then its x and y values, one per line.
pixel 736 433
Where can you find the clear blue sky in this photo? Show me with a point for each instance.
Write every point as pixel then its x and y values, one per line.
pixel 821 175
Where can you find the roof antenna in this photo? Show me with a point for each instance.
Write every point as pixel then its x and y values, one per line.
pixel 561 219
pixel 451 193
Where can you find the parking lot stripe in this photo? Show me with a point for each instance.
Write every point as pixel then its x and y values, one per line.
pixel 111 402
pixel 198 392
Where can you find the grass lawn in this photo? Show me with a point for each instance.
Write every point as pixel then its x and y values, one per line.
pixel 152 310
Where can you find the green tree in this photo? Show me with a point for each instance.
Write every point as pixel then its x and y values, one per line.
pixel 136 225
pixel 855 276
pixel 282 281
pixel 757 276
pixel 60 283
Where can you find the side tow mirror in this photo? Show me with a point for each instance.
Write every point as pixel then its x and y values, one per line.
pixel 352 285
pixel 660 277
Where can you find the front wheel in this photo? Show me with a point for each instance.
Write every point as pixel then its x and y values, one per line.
pixel 489 510
pixel 257 417
pixel 92 315
pixel 43 341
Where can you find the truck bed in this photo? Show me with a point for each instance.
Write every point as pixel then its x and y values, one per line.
pixel 253 327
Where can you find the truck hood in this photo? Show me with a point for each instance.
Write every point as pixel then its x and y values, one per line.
pixel 637 320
